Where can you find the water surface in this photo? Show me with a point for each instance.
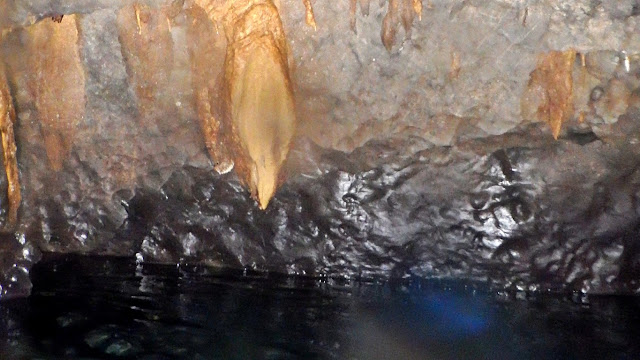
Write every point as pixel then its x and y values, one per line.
pixel 113 308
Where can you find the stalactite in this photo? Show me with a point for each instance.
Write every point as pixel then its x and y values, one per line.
pixel 417 7
pixel 399 12
pixel 549 94
pixel 257 91
pixel 58 83
pixel 207 48
pixel 7 119
pixel 309 16
pixel 353 8
pixel 136 9
pixel 260 97
pixel 262 108
pixel 147 48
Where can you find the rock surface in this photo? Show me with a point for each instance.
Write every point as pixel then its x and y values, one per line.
pixel 414 161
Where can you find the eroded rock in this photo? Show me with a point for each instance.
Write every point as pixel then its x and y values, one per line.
pixel 57 84
pixel 419 160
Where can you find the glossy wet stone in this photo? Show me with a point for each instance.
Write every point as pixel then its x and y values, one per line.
pixel 487 209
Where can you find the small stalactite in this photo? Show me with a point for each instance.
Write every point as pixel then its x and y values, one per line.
pixel 399 12
pixel 136 9
pixel 58 84
pixel 7 120
pixel 417 7
pixel 549 93
pixel 455 67
pixel 581 88
pixel 310 18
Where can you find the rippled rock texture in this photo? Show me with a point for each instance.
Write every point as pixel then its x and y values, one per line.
pixel 519 209
pixel 424 146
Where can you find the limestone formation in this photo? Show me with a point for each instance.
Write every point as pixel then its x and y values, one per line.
pixel 57 84
pixel 207 49
pixel 550 89
pixel 7 120
pixel 309 16
pixel 259 106
pixel 147 47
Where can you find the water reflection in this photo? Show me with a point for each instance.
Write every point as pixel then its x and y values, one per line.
pixel 113 308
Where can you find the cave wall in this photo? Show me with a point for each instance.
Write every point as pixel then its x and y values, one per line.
pixel 425 157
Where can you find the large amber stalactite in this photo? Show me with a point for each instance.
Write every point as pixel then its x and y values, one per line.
pixel 58 84
pixel 258 94
pixel 261 98
pixel 7 119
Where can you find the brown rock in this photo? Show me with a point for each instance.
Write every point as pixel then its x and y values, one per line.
pixel 58 83
pixel 7 119
pixel 549 94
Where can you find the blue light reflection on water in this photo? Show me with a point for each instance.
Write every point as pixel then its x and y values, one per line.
pixel 110 308
pixel 460 316
pixel 430 320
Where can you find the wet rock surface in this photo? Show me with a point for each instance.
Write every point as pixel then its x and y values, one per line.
pixel 414 161
pixel 520 210
pixel 17 256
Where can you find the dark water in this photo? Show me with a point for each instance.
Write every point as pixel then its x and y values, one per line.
pixel 108 308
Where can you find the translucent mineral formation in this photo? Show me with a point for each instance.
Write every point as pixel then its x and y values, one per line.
pixel 259 105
